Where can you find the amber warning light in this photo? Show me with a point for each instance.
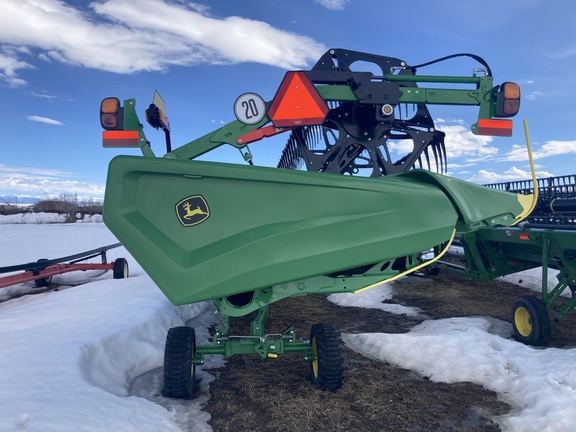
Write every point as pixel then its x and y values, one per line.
pixel 508 100
pixel 111 114
pixel 112 120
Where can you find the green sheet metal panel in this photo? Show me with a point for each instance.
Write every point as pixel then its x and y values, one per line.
pixel 256 227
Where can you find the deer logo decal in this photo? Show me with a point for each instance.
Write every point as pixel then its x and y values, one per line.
pixel 192 210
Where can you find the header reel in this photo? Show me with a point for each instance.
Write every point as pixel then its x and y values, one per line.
pixel 360 135
pixel 388 114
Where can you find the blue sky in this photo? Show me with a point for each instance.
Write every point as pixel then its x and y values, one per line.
pixel 59 59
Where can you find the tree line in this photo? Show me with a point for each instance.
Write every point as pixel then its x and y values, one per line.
pixel 65 203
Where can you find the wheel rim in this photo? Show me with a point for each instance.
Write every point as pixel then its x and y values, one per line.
pixel 522 321
pixel 315 362
pixel 125 271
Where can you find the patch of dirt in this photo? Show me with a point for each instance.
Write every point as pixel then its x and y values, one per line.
pixel 453 295
pixel 251 394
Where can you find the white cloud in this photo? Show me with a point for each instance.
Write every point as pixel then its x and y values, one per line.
pixel 464 165
pixel 44 120
pixel 49 173
pixel 484 176
pixel 43 95
pixel 37 181
pixel 551 148
pixel 127 36
pixel 533 95
pixel 333 4
pixel 562 53
pixel 9 66
pixel 401 147
pixel 461 142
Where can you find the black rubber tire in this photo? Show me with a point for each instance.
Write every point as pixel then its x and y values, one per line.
pixel 530 321
pixel 42 282
pixel 179 369
pixel 120 269
pixel 328 349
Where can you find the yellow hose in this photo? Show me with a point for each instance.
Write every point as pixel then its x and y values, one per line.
pixel 412 270
pixel 528 202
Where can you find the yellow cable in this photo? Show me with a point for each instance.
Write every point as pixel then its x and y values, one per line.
pixel 528 208
pixel 418 267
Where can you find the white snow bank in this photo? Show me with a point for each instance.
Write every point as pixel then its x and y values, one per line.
pixel 539 383
pixel 67 358
pixel 532 280
pixel 373 299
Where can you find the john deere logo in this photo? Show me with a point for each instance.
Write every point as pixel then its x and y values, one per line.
pixel 192 210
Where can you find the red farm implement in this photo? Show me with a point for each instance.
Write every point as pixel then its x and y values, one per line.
pixel 41 271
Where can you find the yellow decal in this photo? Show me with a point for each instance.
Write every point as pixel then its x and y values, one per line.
pixel 192 210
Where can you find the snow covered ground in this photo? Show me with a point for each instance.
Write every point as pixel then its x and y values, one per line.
pixel 68 358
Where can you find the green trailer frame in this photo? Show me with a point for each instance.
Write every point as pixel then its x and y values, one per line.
pixel 494 252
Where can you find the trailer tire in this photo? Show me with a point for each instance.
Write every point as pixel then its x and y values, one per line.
pixel 328 364
pixel 120 269
pixel 43 282
pixel 179 368
pixel 530 321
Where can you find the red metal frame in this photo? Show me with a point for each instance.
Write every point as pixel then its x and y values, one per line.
pixel 53 270
pixel 44 269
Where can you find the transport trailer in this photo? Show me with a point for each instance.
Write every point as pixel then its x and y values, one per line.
pixel 41 271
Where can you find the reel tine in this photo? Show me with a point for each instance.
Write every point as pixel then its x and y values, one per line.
pixel 440 157
pixel 435 156
pixel 444 155
pixel 427 158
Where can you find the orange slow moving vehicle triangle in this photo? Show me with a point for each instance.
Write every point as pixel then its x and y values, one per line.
pixel 297 102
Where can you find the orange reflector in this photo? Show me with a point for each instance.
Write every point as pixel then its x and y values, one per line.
pixel 524 236
pixel 120 139
pixel 297 102
pixel 495 127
